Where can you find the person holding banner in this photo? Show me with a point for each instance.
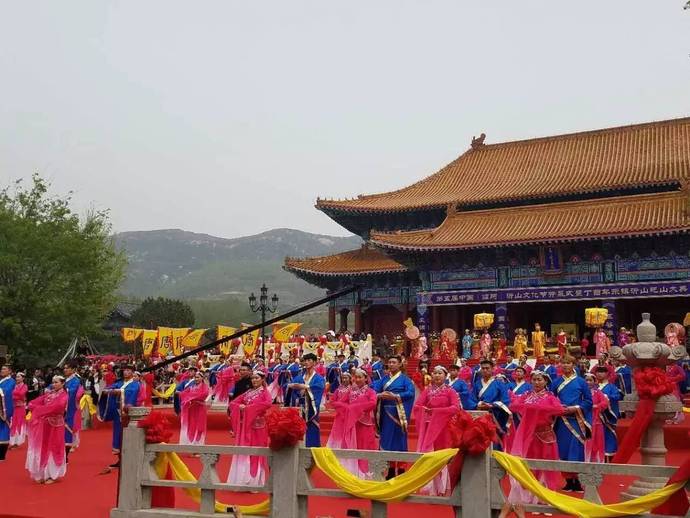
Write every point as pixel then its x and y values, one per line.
pixel 74 391
pixel 247 416
pixel 305 392
pixel 46 458
pixel 113 404
pixel 194 411
pixel 395 399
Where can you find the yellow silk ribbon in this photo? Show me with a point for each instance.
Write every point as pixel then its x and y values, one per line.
pixel 518 469
pixel 86 401
pixel 686 409
pixel 394 490
pixel 169 392
pixel 181 472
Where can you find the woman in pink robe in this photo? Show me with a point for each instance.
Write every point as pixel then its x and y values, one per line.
pixel 534 439
pixel 18 425
pixel 339 400
pixel 354 425
pixel 247 415
pixel 45 457
pixel 594 447
pixel 194 411
pixel 225 381
pixel 602 342
pixel 432 412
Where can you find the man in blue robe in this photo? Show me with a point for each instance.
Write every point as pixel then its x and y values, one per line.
pixel 611 415
pixel 289 372
pixel 333 372
pixel 492 395
pixel 113 404
pixel 376 367
pixel 394 404
pixel 575 426
pixel 305 391
pixel 74 391
pixel 623 376
pixel 467 399
pixel 552 368
pixel 7 385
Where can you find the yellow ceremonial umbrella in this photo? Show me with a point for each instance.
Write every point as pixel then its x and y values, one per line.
pixel 483 320
pixel 596 317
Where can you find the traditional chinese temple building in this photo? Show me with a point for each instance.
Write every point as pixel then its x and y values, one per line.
pixel 532 231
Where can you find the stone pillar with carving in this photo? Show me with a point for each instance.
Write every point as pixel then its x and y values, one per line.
pixel 648 352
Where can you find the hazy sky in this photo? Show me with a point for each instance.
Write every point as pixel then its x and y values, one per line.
pixel 231 117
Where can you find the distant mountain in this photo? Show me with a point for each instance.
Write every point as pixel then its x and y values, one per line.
pixel 180 264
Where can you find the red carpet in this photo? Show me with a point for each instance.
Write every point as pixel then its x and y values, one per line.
pixel 83 493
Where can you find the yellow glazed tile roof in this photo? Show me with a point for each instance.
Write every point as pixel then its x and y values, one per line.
pixel 365 260
pixel 656 153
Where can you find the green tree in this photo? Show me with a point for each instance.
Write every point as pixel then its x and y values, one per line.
pixel 163 312
pixel 58 272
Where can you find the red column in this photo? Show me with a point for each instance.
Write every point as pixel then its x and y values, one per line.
pixel 331 318
pixel 435 319
pixel 358 318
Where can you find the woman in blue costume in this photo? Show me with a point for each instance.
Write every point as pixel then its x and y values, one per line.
pixel 394 405
pixel 113 404
pixel 610 415
pixel 305 392
pixel 575 426
pixel 7 385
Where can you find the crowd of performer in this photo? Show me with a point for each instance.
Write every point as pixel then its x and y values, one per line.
pixel 558 407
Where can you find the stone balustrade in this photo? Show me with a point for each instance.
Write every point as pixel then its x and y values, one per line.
pixel 479 495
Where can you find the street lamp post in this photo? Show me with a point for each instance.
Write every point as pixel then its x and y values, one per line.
pixel 263 306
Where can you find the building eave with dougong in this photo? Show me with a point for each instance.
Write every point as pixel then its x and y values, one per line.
pixel 532 231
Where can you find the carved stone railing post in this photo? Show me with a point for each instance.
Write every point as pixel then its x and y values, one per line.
pixel 208 476
pixel 592 481
pixel 133 446
pixel 285 472
pixel 475 484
